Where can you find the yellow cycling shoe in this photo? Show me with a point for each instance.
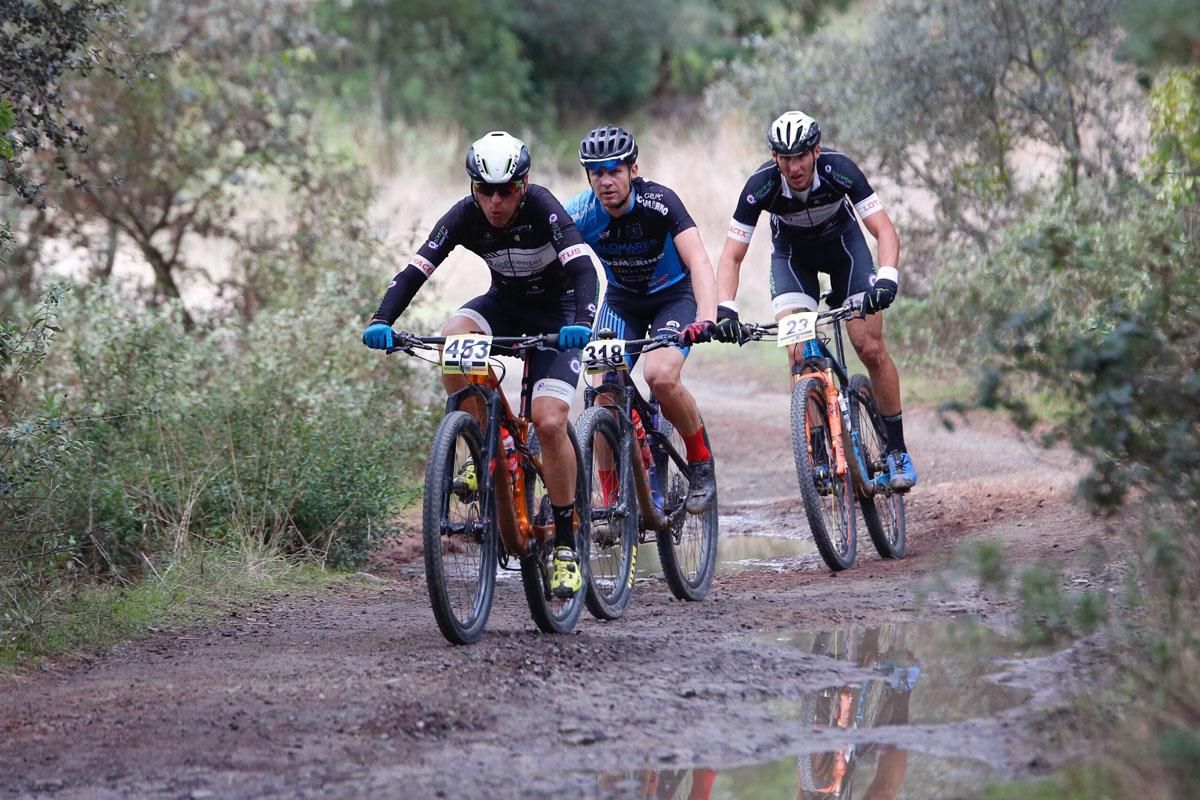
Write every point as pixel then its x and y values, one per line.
pixel 565 576
pixel 466 482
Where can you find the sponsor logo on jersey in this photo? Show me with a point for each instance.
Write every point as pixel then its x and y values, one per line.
pixel 553 217
pixel 574 251
pixel 425 265
pixel 673 324
pixel 869 206
pixel 438 238
pixel 654 205
pixel 634 231
pixel 739 232
pixel 751 199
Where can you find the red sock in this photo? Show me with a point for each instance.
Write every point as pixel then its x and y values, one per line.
pixel 608 484
pixel 697 450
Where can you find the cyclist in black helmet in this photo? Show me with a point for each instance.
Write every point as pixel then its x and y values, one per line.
pixel 543 279
pixel 659 279
pixel 812 196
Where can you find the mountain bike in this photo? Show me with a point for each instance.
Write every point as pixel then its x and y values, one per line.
pixel 485 500
pixel 637 479
pixel 839 441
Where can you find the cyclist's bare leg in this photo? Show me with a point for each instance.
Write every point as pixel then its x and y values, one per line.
pixel 867 337
pixel 662 375
pixel 678 405
pixel 455 325
pixel 558 456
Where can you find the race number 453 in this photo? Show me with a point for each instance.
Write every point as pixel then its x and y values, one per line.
pixel 466 354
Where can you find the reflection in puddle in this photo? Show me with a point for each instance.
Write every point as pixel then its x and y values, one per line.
pixel 734 553
pixel 944 667
pixel 920 673
pixel 870 771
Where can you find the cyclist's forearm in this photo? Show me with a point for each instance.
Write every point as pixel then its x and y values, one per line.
pixel 581 276
pixel 729 270
pixel 704 286
pixel 880 226
pixel 400 293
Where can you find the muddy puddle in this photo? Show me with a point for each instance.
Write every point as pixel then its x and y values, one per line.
pixel 849 738
pixel 736 553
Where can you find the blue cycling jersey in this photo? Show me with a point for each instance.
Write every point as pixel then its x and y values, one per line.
pixel 638 247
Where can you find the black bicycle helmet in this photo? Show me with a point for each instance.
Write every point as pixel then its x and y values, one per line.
pixel 606 143
pixel 793 133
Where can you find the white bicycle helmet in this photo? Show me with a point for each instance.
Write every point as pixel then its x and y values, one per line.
pixel 497 157
pixel 793 133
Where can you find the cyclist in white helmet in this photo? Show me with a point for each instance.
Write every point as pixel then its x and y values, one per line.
pixel 543 279
pixel 812 196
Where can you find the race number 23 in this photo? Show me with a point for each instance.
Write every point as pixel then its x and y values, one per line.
pixel 797 328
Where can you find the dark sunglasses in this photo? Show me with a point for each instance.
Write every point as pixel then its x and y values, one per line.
pixel 502 189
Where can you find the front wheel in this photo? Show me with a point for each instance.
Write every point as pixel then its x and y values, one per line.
pixel 553 614
pixel 614 512
pixel 883 512
pixel 688 548
pixel 828 496
pixel 460 545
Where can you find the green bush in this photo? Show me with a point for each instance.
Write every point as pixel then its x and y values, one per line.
pixel 278 432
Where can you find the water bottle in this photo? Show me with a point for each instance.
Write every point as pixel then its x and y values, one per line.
pixel 643 441
pixel 510 451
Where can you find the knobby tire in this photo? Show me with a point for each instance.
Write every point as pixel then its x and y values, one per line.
pixel 554 614
pixel 614 519
pixel 688 548
pixel 830 515
pixel 884 512
pixel 460 551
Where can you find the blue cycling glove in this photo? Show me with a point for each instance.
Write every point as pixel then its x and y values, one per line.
pixel 572 337
pixel 378 336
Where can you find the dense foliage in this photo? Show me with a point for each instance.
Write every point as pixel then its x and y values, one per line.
pixel 489 64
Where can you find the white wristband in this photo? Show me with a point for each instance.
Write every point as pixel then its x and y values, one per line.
pixel 732 306
pixel 889 273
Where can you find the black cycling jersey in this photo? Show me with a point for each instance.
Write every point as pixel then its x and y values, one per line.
pixel 638 247
pixel 824 209
pixel 535 260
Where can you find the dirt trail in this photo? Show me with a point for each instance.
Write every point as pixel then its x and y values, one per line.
pixel 354 693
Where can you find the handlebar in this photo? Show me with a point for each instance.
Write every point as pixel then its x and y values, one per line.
pixel 406 342
pixel 851 309
pixel 643 345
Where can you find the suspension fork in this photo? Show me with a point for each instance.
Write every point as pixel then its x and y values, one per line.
pixel 817 365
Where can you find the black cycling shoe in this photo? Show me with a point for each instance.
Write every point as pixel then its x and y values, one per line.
pixel 703 488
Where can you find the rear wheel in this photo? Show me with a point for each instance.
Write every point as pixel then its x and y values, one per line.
pixel 554 614
pixel 828 497
pixel 460 550
pixel 614 520
pixel 883 512
pixel 688 548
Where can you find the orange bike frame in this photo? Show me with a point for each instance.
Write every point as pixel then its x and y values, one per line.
pixel 833 410
pixel 517 530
